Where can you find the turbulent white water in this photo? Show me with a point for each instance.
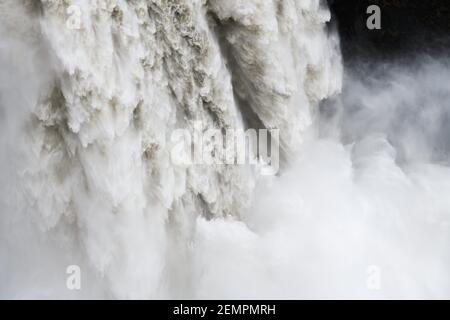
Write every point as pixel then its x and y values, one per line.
pixel 87 111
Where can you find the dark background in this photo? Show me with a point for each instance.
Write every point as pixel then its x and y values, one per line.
pixel 408 27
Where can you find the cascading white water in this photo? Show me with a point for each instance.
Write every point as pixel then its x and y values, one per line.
pixel 88 107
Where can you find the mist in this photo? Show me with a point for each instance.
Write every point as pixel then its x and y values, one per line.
pixel 368 194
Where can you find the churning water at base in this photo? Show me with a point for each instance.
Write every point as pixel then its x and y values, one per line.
pixel 359 209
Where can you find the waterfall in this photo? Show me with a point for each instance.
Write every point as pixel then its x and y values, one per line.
pixel 90 94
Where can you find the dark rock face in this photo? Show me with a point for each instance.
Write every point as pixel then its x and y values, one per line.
pixel 408 27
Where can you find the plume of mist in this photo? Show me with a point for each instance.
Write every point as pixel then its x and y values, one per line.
pixel 368 192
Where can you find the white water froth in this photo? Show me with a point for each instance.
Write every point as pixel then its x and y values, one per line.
pixel 87 178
